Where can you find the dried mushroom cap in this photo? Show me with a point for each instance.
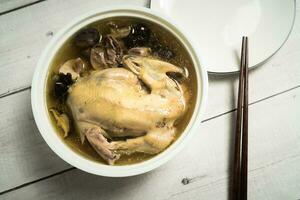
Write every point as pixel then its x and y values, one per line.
pixel 62 121
pixel 73 67
pixel 97 58
pixel 87 38
pixel 140 51
pixel 120 33
pixel 108 55
pixel 114 51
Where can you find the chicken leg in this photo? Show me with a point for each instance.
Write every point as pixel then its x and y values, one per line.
pixel 153 142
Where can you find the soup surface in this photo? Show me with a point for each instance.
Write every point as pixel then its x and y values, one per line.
pixel 164 46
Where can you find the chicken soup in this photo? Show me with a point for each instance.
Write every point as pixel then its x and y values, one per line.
pixel 121 90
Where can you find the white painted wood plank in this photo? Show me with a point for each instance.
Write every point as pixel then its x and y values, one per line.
pixel 27 158
pixel 25 33
pixel 22 46
pixel 274 162
pixel 7 5
pixel 24 154
pixel 280 73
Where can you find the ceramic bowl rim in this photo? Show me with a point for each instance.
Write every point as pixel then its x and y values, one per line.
pixel 38 97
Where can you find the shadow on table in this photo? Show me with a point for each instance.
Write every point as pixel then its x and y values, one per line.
pixel 76 184
pixel 233 78
pixel 36 161
pixel 234 95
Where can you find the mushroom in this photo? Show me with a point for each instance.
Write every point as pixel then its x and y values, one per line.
pixel 117 32
pixel 62 121
pixel 140 51
pixel 97 58
pixel 114 51
pixel 73 67
pixel 120 33
pixel 87 38
pixel 108 55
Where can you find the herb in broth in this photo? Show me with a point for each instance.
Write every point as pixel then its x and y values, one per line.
pixel 121 82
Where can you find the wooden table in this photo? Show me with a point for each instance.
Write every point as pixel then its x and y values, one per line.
pixel 30 170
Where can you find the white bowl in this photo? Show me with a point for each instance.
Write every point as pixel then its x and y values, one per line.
pixel 38 97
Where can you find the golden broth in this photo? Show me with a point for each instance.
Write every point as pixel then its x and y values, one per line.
pixel 70 51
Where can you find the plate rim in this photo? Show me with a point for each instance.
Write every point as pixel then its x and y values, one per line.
pixel 154 5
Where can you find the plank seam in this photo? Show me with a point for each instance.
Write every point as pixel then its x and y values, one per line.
pixel 39 1
pixel 37 180
pixel 228 177
pixel 20 7
pixel 208 119
pixel 14 91
pixel 254 102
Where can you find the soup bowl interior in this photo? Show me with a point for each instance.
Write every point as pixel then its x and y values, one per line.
pixel 39 87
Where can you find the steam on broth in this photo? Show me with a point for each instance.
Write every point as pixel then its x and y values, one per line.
pixel 109 115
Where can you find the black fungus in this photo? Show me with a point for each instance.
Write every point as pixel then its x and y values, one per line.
pixel 65 79
pixel 154 43
pixel 165 53
pixel 60 89
pixel 87 38
pixel 160 50
pixel 139 36
pixel 62 85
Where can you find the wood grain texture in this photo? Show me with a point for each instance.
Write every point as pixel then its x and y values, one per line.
pixel 22 46
pixel 274 162
pixel 25 33
pixel 7 5
pixel 25 157
pixel 24 154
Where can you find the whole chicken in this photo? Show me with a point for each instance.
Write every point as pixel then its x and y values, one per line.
pixel 139 102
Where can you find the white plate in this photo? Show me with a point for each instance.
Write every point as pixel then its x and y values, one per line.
pixel 218 26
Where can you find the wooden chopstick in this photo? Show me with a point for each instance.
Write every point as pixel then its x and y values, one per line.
pixel 244 172
pixel 240 167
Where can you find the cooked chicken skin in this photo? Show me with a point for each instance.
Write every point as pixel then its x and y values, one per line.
pixel 112 103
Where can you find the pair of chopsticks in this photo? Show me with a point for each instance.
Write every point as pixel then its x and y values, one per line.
pixel 240 167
